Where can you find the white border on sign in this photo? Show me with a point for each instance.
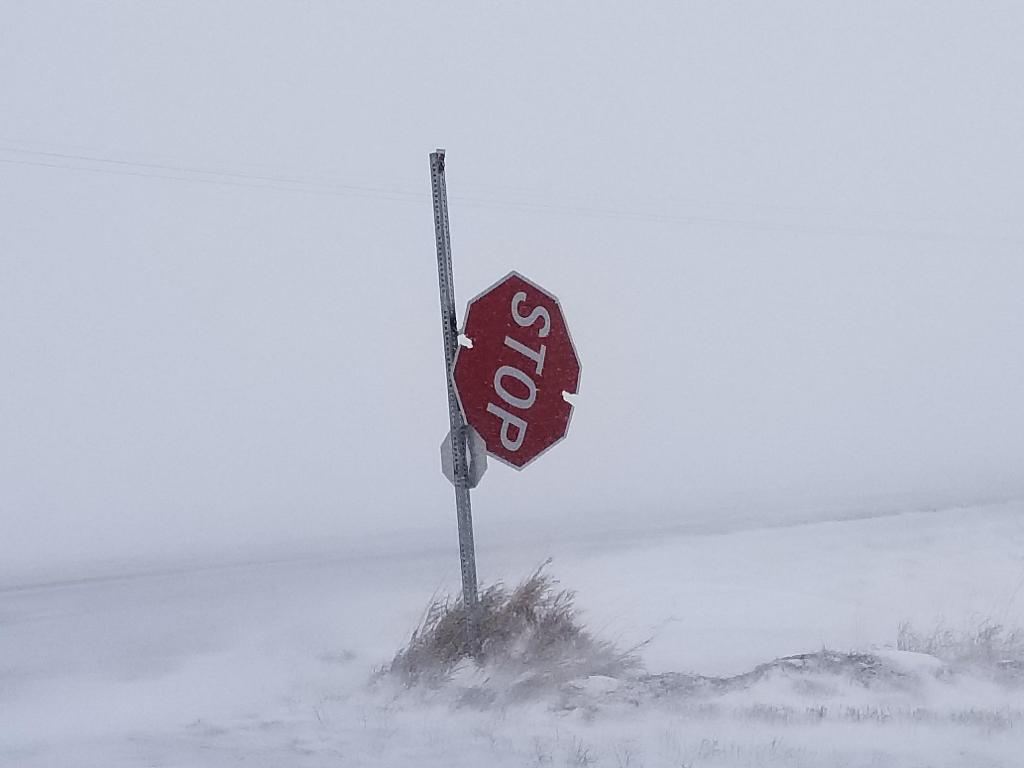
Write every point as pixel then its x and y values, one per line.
pixel 572 344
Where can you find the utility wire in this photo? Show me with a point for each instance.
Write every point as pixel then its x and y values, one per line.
pixel 198 171
pixel 232 179
pixel 282 183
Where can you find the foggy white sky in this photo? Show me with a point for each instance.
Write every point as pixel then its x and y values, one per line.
pixel 787 238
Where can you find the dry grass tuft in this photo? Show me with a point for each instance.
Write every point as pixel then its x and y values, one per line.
pixel 530 636
pixel 986 647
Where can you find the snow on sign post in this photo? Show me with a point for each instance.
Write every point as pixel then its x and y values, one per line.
pixel 507 386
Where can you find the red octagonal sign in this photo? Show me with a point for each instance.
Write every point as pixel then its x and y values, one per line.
pixel 512 381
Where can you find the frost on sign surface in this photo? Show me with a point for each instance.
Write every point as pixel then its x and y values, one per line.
pixel 513 380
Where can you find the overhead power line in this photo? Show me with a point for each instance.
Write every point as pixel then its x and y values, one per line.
pixel 195 174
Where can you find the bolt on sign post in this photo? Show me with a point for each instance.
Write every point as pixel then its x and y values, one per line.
pixel 508 385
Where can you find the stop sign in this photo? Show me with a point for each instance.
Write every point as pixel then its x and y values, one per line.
pixel 511 383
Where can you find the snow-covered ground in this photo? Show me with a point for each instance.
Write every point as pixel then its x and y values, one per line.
pixel 268 663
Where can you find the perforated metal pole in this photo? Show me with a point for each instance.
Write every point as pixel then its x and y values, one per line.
pixel 449 329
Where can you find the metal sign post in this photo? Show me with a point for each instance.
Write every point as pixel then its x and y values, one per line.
pixel 449 330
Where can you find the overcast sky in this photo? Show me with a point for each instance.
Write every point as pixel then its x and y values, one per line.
pixel 787 238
